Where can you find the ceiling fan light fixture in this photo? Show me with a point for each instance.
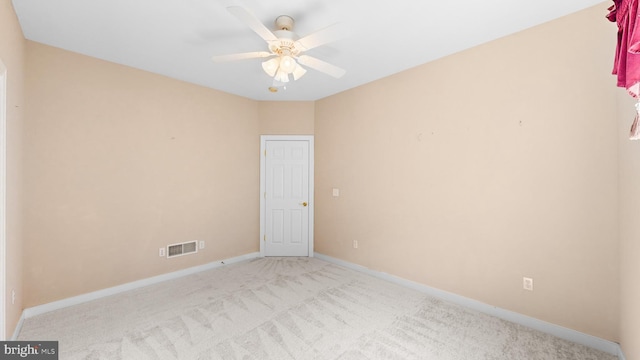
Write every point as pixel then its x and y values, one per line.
pixel 287 64
pixel 271 66
pixel 282 76
pixel 298 72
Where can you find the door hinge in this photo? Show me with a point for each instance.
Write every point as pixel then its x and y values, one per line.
pixel 264 238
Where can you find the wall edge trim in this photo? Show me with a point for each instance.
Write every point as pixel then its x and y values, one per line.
pixel 591 341
pixel 75 300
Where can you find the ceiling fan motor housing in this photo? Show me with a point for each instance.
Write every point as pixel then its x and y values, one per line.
pixel 286 44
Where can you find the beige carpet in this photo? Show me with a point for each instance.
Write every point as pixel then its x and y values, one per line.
pixel 288 308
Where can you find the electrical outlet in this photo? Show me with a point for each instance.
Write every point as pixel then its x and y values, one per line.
pixel 161 251
pixel 527 283
pixel 201 244
pixel 355 244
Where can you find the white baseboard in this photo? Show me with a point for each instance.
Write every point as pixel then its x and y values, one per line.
pixel 60 304
pixel 621 354
pixel 16 332
pixel 555 330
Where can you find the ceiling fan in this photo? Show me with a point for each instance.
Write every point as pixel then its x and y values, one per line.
pixel 285 48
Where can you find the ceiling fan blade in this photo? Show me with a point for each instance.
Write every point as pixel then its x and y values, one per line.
pixel 323 36
pixel 241 56
pixel 321 66
pixel 252 21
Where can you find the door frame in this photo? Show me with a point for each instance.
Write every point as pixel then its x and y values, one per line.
pixel 263 202
pixel 3 201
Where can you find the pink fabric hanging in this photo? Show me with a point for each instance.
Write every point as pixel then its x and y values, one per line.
pixel 627 60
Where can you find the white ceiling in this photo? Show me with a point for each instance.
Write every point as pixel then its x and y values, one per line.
pixel 177 38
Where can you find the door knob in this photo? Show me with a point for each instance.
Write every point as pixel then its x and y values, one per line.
pixel 304 203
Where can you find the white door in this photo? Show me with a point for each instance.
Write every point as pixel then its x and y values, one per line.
pixel 3 193
pixel 287 185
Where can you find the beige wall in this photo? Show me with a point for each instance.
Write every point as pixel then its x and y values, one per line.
pixel 470 172
pixel 629 231
pixel 286 117
pixel 12 55
pixel 120 162
pixel 123 159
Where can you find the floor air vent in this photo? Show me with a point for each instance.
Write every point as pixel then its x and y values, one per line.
pixel 174 250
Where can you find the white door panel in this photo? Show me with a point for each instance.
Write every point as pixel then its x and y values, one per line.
pixel 286 207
